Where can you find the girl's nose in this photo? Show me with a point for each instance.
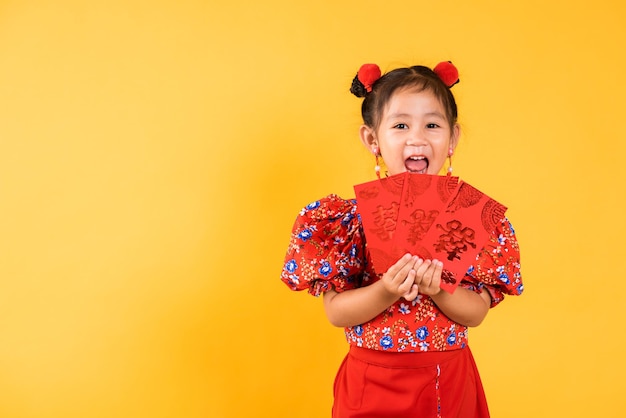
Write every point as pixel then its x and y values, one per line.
pixel 415 138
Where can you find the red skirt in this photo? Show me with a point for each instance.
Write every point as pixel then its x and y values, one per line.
pixel 378 384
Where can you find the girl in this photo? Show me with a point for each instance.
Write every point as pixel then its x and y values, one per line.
pixel 408 352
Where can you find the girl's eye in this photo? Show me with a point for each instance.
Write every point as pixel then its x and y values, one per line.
pixel 401 126
pixel 432 125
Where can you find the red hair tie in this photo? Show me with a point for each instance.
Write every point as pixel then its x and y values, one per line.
pixel 367 75
pixel 447 72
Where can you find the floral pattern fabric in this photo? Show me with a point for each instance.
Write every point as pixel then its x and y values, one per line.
pixel 327 250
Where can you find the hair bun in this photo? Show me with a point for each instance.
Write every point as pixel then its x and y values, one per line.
pixel 368 74
pixel 357 88
pixel 365 79
pixel 447 72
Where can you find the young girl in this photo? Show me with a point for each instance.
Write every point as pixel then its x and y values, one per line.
pixel 408 354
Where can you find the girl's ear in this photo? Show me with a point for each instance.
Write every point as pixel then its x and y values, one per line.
pixel 454 138
pixel 368 137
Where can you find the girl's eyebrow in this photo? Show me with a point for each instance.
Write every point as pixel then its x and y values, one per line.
pixel 398 115
pixel 437 114
pixel 406 115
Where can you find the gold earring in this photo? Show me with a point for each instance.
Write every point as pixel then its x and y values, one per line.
pixel 377 166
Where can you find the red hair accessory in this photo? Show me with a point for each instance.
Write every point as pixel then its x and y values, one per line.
pixel 367 75
pixel 447 72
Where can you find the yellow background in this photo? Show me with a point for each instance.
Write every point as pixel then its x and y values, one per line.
pixel 154 154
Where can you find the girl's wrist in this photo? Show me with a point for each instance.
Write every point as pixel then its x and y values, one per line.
pixel 437 295
pixel 386 294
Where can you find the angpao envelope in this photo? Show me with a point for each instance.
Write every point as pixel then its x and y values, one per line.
pixel 431 216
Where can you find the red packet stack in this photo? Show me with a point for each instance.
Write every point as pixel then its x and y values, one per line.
pixel 434 217
pixel 379 205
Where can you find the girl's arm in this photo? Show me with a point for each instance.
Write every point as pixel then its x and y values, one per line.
pixel 463 306
pixel 356 306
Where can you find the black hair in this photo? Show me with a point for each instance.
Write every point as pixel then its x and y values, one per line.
pixel 417 77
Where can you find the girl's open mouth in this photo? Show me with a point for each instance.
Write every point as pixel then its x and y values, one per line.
pixel 416 164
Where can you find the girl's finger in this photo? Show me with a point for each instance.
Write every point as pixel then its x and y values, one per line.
pixel 400 264
pixel 412 294
pixel 404 288
pixel 406 268
pixel 434 275
pixel 421 267
pixel 407 283
pixel 438 268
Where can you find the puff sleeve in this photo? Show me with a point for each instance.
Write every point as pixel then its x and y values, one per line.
pixel 326 248
pixel 497 266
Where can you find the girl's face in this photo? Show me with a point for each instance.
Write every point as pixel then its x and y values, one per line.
pixel 414 134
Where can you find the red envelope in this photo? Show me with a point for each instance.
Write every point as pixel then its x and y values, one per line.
pixel 424 197
pixel 461 231
pixel 434 217
pixel 378 205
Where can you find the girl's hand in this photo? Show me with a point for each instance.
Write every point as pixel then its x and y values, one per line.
pixel 428 276
pixel 399 280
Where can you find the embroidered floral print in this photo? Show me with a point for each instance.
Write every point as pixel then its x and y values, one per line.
pixel 327 250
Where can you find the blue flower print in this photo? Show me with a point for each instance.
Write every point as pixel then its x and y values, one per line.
pixel 353 251
pixel 504 278
pixel 358 330
pixel 294 280
pixel 520 289
pixel 325 269
pixel 451 339
pixel 305 234
pixel 511 228
pixel 470 270
pixel 343 271
pixel 501 239
pixel 386 342
pixel 424 346
pixel 422 333
pixel 404 309
pixel 407 341
pixel 291 266
pixel 417 300
pixel 346 219
pixel 313 205
pixel 339 240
